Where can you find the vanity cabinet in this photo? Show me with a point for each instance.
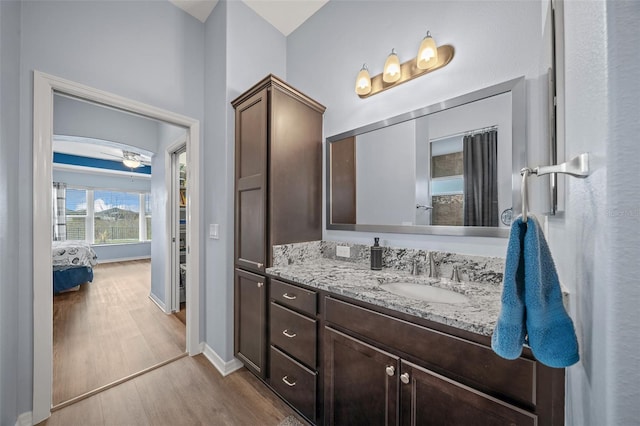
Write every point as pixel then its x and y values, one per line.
pixel 361 382
pixel 278 198
pixel 386 370
pixel 293 328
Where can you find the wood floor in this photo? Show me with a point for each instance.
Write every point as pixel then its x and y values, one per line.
pixel 110 329
pixel 189 391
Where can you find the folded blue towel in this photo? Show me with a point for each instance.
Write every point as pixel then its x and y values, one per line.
pixel 532 311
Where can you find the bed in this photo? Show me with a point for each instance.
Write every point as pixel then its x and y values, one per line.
pixel 73 263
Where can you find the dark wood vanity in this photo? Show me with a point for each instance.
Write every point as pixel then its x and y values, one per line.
pixel 354 363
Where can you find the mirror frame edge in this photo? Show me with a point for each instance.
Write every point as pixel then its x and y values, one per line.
pixel 517 89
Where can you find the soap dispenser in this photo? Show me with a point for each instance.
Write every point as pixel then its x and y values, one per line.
pixel 376 255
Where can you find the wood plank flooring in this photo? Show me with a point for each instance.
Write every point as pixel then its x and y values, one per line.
pixel 189 391
pixel 110 329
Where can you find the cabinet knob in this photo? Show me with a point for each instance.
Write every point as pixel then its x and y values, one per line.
pixel 289 296
pixel 260 285
pixel 391 370
pixel 404 378
pixel 289 334
pixel 260 265
pixel 286 380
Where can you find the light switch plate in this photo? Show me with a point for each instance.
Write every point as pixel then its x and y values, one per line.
pixel 214 231
pixel 343 251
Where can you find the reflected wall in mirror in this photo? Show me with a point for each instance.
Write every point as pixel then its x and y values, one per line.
pixel 445 169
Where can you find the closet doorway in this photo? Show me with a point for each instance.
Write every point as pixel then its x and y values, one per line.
pixel 45 86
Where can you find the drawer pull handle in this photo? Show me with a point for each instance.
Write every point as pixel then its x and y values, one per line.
pixel 391 370
pixel 404 378
pixel 285 379
pixel 289 297
pixel 260 285
pixel 258 265
pixel 289 334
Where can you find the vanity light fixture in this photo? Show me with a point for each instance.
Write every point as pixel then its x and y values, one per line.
pixel 392 72
pixel 363 81
pixel 430 58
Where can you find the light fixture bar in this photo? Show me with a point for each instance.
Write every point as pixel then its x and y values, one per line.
pixel 409 71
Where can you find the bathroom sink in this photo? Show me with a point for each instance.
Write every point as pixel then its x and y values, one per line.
pixel 425 292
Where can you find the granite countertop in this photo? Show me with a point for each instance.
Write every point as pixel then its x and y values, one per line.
pixel 357 281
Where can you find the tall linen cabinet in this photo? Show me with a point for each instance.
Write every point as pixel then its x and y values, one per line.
pixel 278 199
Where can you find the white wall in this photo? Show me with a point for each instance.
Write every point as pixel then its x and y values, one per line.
pixel 494 41
pixel 9 213
pixel 596 244
pixel 241 58
pixel 149 51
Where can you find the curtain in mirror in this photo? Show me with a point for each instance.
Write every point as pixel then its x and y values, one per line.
pixel 480 153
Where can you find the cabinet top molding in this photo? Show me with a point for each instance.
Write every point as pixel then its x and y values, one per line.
pixel 276 82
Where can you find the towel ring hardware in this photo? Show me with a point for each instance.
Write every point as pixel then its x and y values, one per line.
pixel 576 167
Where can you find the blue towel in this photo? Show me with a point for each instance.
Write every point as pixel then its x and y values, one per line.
pixel 532 311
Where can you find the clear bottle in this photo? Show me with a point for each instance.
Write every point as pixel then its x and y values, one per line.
pixel 376 255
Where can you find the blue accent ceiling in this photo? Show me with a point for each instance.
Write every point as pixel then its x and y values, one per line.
pixel 98 163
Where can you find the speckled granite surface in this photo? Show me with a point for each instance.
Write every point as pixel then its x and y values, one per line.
pixel 354 279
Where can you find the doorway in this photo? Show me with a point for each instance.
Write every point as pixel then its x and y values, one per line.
pixel 179 221
pixel 44 88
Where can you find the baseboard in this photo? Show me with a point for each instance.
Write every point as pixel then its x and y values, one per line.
pixel 224 367
pixel 25 419
pixel 123 259
pixel 158 302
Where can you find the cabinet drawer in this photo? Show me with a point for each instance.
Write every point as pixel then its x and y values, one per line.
pixel 294 333
pixel 470 363
pixel 294 382
pixel 294 297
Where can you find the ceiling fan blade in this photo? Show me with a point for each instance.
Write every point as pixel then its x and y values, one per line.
pixel 110 154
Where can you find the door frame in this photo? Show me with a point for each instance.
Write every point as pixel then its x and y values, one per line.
pixel 44 87
pixel 172 269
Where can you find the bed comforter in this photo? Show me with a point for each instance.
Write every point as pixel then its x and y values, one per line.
pixel 73 253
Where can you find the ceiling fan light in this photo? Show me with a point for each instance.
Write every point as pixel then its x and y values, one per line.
pixel 130 159
pixel 132 164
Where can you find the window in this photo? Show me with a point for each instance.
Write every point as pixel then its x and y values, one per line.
pixel 112 217
pixel 76 210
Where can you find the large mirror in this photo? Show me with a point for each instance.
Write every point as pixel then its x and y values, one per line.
pixel 452 168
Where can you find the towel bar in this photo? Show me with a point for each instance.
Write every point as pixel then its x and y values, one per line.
pixel 576 167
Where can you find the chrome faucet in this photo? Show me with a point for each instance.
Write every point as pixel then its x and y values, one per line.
pixel 433 267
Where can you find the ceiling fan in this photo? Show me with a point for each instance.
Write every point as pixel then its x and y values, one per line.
pixel 131 159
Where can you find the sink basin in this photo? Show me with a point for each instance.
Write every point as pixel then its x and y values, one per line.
pixel 425 292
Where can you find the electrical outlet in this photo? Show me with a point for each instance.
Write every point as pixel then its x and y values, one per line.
pixel 343 251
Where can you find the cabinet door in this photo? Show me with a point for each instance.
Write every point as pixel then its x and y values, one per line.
pixel 250 333
pixel 361 382
pixel 251 183
pixel 428 398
